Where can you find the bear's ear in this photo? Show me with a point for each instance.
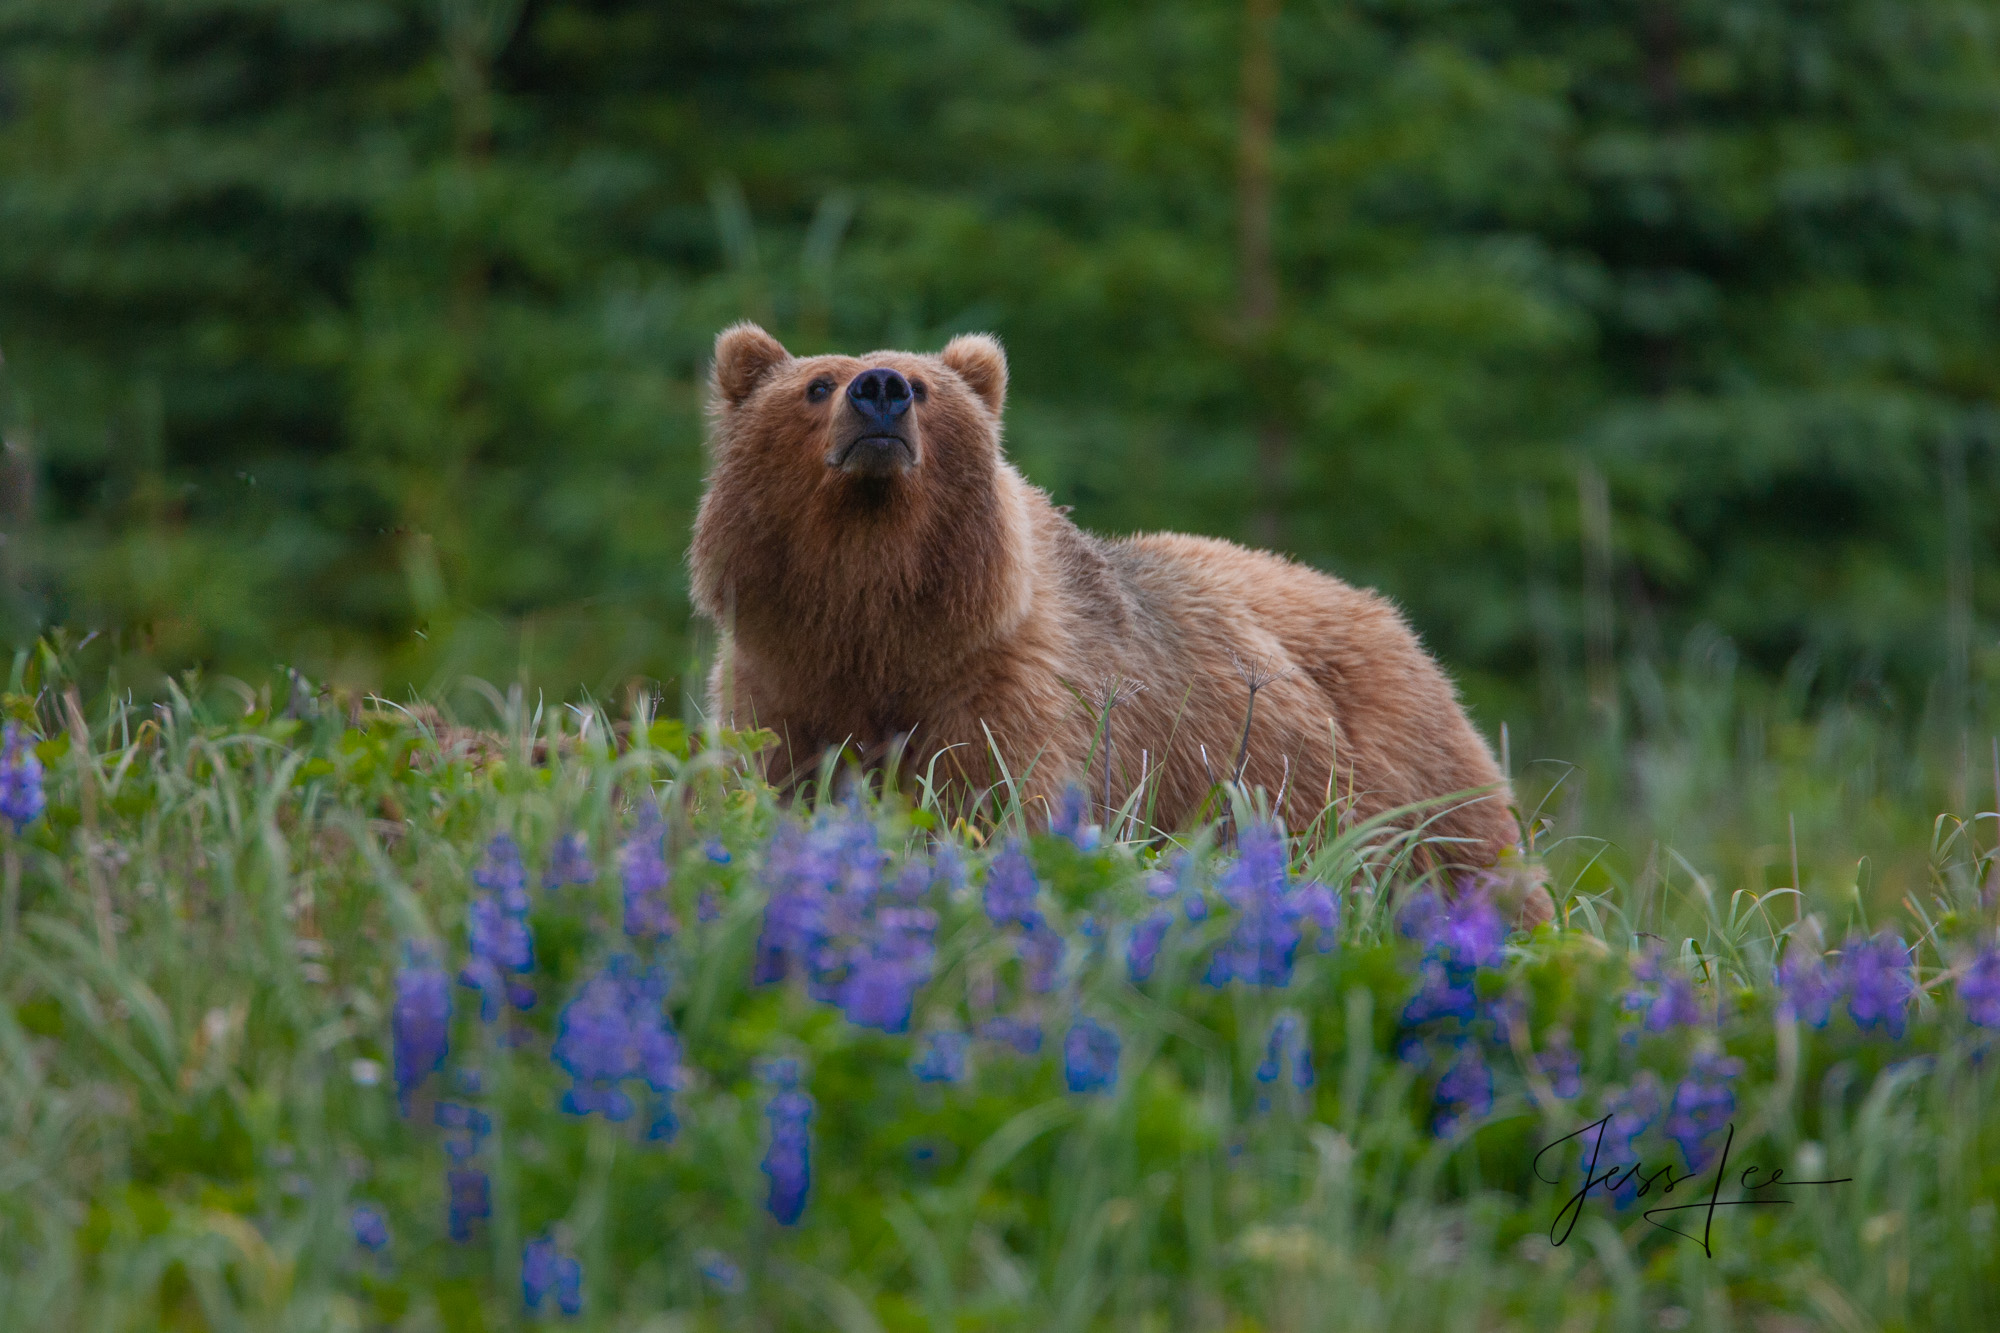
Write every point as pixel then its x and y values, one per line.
pixel 744 354
pixel 980 363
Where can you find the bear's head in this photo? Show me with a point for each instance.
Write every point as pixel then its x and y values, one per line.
pixel 855 496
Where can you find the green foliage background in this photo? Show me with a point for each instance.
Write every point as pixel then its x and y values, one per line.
pixel 368 335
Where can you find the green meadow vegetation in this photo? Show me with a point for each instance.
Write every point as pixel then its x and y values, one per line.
pixel 322 1014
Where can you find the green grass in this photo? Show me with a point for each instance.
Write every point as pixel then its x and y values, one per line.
pixel 203 931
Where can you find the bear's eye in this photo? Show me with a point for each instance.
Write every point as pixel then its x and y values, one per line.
pixel 917 390
pixel 817 391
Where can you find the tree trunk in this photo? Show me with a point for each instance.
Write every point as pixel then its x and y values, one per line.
pixel 1256 270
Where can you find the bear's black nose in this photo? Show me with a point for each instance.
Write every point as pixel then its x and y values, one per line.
pixel 881 395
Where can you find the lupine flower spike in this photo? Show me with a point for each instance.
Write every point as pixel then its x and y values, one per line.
pixel 1459 935
pixel 943 1058
pixel 1011 889
pixel 1806 987
pixel 569 863
pixel 642 870
pixel 1979 989
pixel 420 1021
pixel 860 943
pixel 545 1270
pixel 1562 1065
pixel 1090 1056
pixel 469 1195
pixel 1465 1093
pixel 788 1159
pixel 615 1031
pixel 1666 997
pixel 1269 910
pixel 1143 950
pixel 499 941
pixel 1703 1103
pixel 371 1229
pixel 1287 1048
pixel 1631 1112
pixel 22 799
pixel 1878 982
pixel 1071 819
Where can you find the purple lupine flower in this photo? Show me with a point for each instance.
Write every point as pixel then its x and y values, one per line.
pixel 788 1159
pixel 1024 1036
pixel 716 852
pixel 1463 932
pixel 890 963
pixel 1090 1056
pixel 469 1199
pixel 569 863
pixel 1011 888
pixel 1009 899
pixel 943 1060
pixel 502 873
pixel 825 882
pixel 1562 1065
pixel 949 874
pixel 1144 948
pixel 1465 1092
pixel 1269 907
pixel 1878 981
pixel 1807 987
pixel 1315 902
pixel 499 940
pixel 593 1045
pixel 371 1229
pixel 794 918
pixel 881 994
pixel 22 799
pixel 1042 949
pixel 614 1031
pixel 1702 1105
pixel 538 1270
pixel 1666 998
pixel 719 1269
pixel 1979 989
pixel 1287 1047
pixel 1441 995
pixel 707 907
pixel 1629 1112
pixel 420 1021
pixel 1260 948
pixel 1071 819
pixel 469 1124
pixel 569 1284
pixel 642 872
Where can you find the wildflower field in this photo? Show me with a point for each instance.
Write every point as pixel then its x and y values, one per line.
pixel 314 1018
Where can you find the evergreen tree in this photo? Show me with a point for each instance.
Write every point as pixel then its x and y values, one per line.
pixel 371 335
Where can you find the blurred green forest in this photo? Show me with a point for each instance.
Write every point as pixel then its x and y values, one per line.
pixel 368 335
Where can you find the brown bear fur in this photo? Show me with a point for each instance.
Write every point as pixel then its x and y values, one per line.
pixel 949 600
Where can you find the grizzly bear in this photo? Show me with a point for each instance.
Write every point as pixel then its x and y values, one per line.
pixel 882 577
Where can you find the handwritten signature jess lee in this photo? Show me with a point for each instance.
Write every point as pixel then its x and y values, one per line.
pixel 1615 1179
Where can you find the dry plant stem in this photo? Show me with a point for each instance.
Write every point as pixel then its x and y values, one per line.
pixel 1255 677
pixel 86 767
pixel 1116 692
